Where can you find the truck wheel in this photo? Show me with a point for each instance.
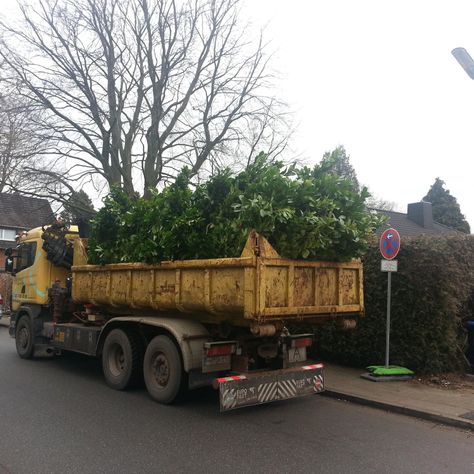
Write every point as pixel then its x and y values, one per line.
pixel 121 360
pixel 24 337
pixel 163 370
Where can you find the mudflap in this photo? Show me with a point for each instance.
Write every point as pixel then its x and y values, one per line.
pixel 255 389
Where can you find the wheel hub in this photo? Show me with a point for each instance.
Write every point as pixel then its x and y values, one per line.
pixel 23 337
pixel 116 360
pixel 161 369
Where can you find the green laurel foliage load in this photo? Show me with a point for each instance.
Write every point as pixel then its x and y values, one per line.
pixel 305 213
pixel 432 296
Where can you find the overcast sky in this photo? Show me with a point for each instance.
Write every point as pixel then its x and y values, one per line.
pixel 378 77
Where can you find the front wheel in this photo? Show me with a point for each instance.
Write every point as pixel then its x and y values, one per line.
pixel 24 337
pixel 163 370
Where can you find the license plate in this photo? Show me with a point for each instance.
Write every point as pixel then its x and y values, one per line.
pixel 298 354
pixel 216 363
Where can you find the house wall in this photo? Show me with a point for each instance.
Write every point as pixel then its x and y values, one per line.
pixel 2 259
pixel 5 282
pixel 6 289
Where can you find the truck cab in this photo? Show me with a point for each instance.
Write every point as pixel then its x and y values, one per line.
pixel 34 274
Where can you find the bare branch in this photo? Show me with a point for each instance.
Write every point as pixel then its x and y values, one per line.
pixel 132 90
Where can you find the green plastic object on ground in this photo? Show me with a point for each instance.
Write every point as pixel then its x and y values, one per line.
pixel 390 370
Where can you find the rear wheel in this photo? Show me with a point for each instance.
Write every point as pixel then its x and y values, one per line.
pixel 163 370
pixel 121 360
pixel 24 337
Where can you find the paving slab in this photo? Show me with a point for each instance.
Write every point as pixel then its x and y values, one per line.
pixel 5 321
pixel 450 406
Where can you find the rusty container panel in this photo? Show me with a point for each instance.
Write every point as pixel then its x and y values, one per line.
pixel 213 287
pixel 304 287
pixel 141 282
pixel 275 282
pixel 259 285
pixel 297 289
pixel 100 286
pixel 119 289
pixel 349 286
pixel 81 282
pixel 227 289
pixel 164 289
pixel 326 286
pixel 192 285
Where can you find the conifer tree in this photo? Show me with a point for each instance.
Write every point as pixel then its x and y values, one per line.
pixel 337 162
pixel 446 209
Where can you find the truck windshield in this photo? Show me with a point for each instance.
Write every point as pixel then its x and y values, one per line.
pixel 26 255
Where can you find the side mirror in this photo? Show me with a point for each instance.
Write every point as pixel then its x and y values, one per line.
pixel 9 265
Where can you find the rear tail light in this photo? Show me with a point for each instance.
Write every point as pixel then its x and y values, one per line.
pixel 214 349
pixel 299 342
pixel 1 300
pixel 217 356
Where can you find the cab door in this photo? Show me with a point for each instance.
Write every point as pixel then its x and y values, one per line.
pixel 24 283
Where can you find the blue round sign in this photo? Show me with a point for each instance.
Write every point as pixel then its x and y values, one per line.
pixel 389 244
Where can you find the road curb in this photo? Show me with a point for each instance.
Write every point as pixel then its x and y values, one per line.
pixel 433 417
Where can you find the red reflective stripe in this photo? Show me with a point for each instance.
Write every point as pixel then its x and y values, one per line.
pixel 230 379
pixel 314 366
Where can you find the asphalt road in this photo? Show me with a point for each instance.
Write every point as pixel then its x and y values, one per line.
pixel 58 416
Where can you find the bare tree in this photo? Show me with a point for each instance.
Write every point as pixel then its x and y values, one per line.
pixel 24 166
pixel 19 144
pixel 136 89
pixel 380 204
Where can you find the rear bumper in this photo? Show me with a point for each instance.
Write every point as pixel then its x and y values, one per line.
pixel 255 389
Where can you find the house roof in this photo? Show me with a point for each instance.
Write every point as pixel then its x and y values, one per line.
pixel 23 212
pixel 6 244
pixel 408 227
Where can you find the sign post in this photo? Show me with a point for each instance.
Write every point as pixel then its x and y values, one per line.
pixel 389 301
pixel 389 248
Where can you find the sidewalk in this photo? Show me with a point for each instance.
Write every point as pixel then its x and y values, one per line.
pixel 406 397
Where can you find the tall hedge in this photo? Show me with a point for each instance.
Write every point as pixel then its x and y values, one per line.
pixel 432 294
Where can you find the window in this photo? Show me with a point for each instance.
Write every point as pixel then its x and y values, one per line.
pixel 7 234
pixel 26 256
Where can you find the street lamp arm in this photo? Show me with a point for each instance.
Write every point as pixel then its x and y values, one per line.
pixel 465 60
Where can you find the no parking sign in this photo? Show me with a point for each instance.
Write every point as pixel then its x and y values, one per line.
pixel 389 244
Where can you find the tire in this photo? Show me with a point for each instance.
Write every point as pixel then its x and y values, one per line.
pixel 122 360
pixel 163 370
pixel 24 338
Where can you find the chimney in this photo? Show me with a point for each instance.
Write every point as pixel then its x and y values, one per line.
pixel 421 213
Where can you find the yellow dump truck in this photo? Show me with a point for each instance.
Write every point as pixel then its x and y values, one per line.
pixel 240 324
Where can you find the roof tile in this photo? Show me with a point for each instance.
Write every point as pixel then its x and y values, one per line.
pixel 406 226
pixel 24 212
